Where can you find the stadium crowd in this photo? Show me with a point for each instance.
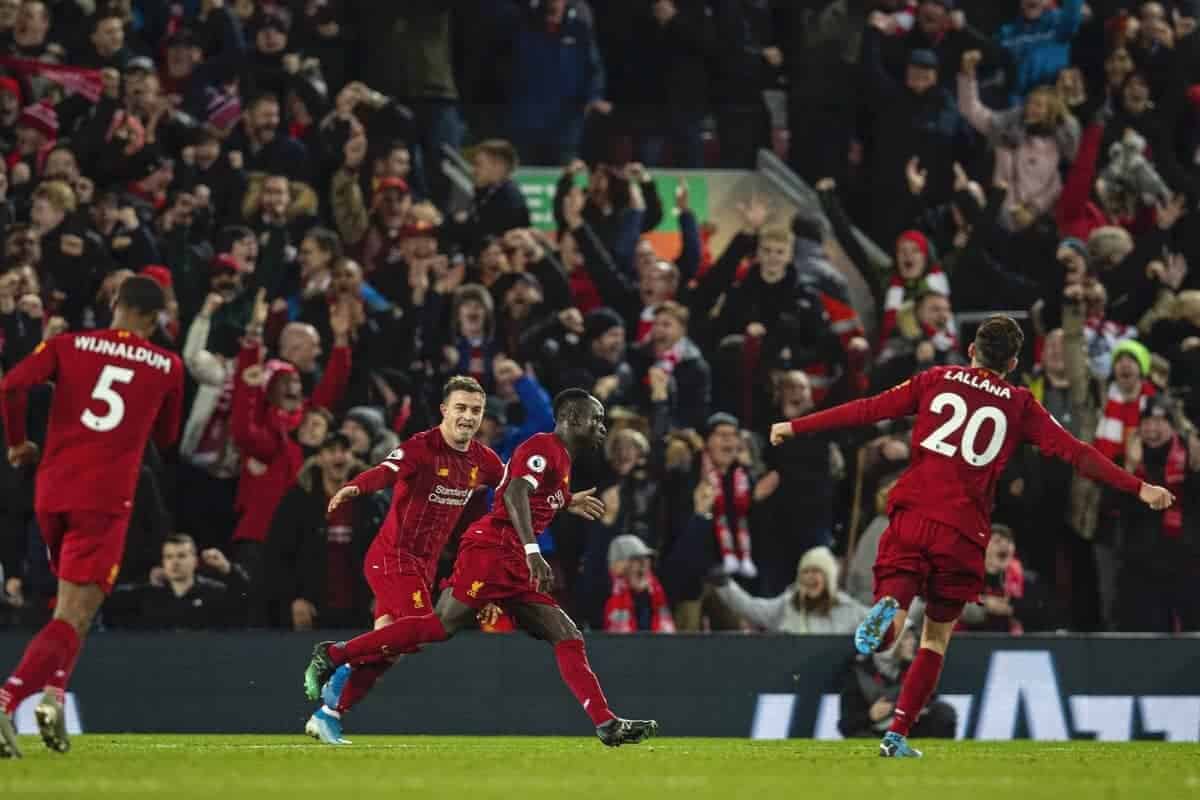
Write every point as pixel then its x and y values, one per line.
pixel 276 167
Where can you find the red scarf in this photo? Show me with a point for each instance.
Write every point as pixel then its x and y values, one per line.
pixel 216 434
pixel 1174 474
pixel 619 615
pixel 1120 417
pixel 735 539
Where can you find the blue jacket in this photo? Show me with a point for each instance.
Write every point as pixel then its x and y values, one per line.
pixel 1042 48
pixel 554 75
pixel 539 417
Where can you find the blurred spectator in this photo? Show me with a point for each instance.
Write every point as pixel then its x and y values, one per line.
pixel 794 500
pixel 498 205
pixel 637 601
pixel 557 80
pixel 313 573
pixel 1160 552
pixel 1040 41
pixel 871 688
pixel 176 597
pixel 813 604
pixel 670 356
pixel 1004 588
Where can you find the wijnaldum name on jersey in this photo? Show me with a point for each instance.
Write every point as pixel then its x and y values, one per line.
pixel 139 354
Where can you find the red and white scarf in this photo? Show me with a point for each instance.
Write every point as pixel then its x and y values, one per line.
pixel 216 436
pixel 1120 417
pixel 619 613
pixel 1175 473
pixel 731 539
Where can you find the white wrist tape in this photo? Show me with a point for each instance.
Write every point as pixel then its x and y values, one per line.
pixel 532 548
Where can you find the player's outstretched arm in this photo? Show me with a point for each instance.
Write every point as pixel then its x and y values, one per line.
pixel 516 500
pixel 1052 439
pixel 900 401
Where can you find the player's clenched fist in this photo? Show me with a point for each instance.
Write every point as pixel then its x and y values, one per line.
pixel 586 504
pixel 23 454
pixel 343 494
pixel 1156 497
pixel 780 432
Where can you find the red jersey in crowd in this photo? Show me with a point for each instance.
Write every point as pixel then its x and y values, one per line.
pixel 433 482
pixel 113 390
pixel 542 461
pixel 969 422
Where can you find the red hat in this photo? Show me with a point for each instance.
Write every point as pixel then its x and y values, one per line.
pixel 159 274
pixel 42 118
pixel 275 367
pixel 390 182
pixel 10 86
pixel 225 261
pixel 917 238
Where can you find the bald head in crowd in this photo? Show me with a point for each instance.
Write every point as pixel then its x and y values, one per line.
pixel 300 344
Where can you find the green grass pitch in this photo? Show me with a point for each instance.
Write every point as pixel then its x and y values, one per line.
pixel 470 768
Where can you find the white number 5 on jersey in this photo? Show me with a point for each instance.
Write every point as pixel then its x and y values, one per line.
pixel 936 441
pixel 103 392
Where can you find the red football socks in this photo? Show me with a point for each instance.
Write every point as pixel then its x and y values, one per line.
pixel 62 676
pixel 919 683
pixel 578 676
pixel 53 648
pixel 402 636
pixel 362 678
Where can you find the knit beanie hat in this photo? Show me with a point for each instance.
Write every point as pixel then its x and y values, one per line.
pixel 1135 350
pixel 917 238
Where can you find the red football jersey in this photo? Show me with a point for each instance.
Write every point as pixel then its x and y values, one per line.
pixel 969 423
pixel 545 464
pixel 433 483
pixel 112 391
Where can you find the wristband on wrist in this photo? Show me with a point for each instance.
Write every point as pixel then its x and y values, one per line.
pixel 532 548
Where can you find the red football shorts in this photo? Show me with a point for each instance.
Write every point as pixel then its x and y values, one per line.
pixel 398 592
pixel 85 546
pixel 918 556
pixel 487 573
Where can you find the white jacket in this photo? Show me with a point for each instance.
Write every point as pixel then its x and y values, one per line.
pixel 210 373
pixel 780 615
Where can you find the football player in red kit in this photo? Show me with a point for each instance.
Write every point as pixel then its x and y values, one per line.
pixel 499 562
pixel 434 474
pixel 113 391
pixel 969 420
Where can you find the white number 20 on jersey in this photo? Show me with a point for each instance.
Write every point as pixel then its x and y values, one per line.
pixel 103 392
pixel 936 441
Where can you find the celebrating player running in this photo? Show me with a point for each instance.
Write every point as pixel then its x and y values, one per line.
pixel 969 422
pixel 434 474
pixel 113 390
pixel 499 561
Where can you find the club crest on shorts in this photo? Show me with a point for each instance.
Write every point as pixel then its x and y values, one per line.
pixel 536 463
pixel 418 600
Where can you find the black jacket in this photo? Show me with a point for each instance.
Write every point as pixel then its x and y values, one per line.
pixel 208 604
pixel 297 545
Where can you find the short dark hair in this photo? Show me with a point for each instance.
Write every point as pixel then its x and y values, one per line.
pixel 230 234
pixel 141 294
pixel 327 240
pixel 179 538
pixel 570 401
pixel 322 412
pixel 260 97
pixel 462 383
pixel 997 341
pixel 500 149
pixel 1003 531
pixel 335 439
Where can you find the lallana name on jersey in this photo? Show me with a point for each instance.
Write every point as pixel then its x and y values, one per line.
pixel 974 381
pixel 142 355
